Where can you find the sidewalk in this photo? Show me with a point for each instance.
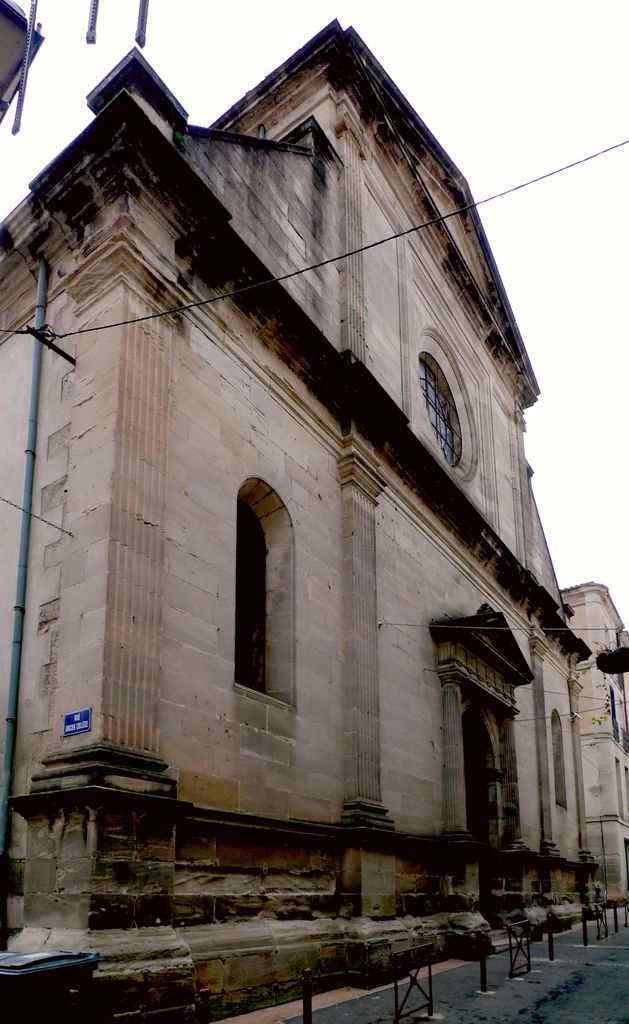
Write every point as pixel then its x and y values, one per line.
pixel 583 985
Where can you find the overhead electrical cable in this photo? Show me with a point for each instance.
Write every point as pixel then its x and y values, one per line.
pixel 34 515
pixel 244 289
pixel 564 714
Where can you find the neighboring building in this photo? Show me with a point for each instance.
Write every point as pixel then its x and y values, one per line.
pixel 605 739
pixel 302 588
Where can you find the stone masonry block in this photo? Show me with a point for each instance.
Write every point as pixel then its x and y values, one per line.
pixel 58 442
pixel 48 613
pixel 52 554
pixel 40 876
pixel 42 910
pixel 246 972
pixel 53 495
pixel 209 791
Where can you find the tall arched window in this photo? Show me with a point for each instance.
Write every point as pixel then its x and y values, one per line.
pixel 264 636
pixel 558 760
pixel 440 408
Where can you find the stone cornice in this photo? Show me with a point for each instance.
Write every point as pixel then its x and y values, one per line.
pixel 119 259
pixel 349 124
pixel 538 646
pixel 46 801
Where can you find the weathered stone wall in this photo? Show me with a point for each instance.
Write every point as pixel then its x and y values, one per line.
pixel 231 831
pixel 235 415
pixel 283 202
pixel 405 293
pixel 228 875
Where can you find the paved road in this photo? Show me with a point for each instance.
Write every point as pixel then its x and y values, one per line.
pixel 581 986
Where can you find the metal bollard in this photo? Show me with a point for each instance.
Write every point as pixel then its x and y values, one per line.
pixel 584 925
pixel 550 920
pixel 626 914
pixel 483 973
pixel 306 989
pixel 202 1005
pixel 615 917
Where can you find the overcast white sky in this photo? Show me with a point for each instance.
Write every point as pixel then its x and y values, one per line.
pixel 511 88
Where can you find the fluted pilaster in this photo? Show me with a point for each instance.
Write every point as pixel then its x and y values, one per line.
pixel 512 833
pixel 111 580
pixel 131 669
pixel 361 486
pixel 538 649
pixel 454 803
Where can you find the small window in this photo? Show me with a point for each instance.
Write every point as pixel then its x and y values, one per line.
pixel 558 760
pixel 441 408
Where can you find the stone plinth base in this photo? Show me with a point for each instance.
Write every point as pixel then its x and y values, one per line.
pixel 178 899
pixel 246 965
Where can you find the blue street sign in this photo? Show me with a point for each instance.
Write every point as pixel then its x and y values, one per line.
pixel 77 721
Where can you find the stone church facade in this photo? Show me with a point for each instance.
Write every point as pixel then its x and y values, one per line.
pixel 299 583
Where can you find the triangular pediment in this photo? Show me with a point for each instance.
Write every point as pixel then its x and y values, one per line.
pixel 489 637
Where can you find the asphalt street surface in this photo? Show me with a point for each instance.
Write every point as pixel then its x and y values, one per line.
pixel 582 985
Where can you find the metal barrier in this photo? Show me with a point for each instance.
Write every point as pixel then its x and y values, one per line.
pixel 519 933
pixel 600 916
pixel 406 965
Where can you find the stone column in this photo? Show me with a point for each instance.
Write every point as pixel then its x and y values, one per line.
pixel 361 486
pixel 512 835
pixel 349 134
pixel 454 804
pixel 538 649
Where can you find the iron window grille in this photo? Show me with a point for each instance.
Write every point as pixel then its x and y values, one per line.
pixel 441 408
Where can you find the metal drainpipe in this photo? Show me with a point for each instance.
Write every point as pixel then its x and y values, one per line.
pixel 20 601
